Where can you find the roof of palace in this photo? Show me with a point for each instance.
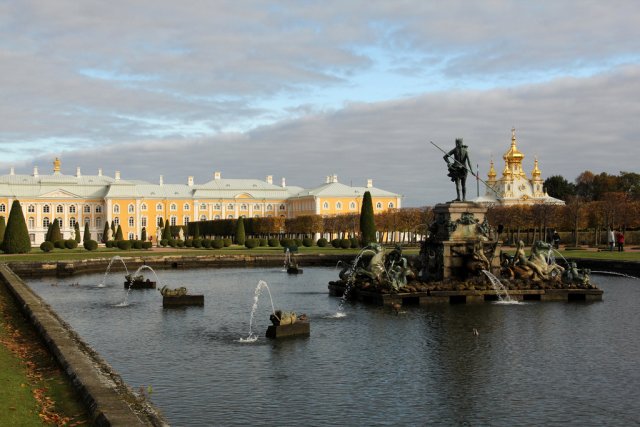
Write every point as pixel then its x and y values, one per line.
pixel 336 189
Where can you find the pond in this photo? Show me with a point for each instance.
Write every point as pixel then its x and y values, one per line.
pixel 532 363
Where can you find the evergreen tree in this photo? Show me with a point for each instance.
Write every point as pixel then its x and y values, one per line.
pixel 76 229
pixel 240 237
pixel 166 232
pixel 367 222
pixel 54 231
pixel 196 231
pixel 119 233
pixel 143 234
pixel 161 223
pixel 16 237
pixel 87 234
pixel 113 228
pixel 3 226
pixel 105 232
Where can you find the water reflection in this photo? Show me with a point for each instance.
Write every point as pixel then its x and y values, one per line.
pixel 532 363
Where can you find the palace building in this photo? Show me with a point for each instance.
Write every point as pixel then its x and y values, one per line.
pixel 515 187
pixel 134 204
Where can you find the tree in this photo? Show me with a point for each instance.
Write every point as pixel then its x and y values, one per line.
pixel 196 231
pixel 113 228
pixel 3 226
pixel 119 233
pixel 105 232
pixel 87 234
pixel 143 234
pixel 54 231
pixel 161 223
pixel 559 187
pixel 76 229
pixel 367 221
pixel 240 237
pixel 166 232
pixel 16 237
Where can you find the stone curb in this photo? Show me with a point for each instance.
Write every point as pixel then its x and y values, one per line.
pixel 109 400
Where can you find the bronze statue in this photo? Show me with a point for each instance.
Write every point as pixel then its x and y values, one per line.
pixel 458 167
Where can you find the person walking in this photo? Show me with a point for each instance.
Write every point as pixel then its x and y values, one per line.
pixel 611 240
pixel 620 241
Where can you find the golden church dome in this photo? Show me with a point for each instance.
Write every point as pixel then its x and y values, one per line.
pixel 513 155
pixel 492 172
pixel 535 174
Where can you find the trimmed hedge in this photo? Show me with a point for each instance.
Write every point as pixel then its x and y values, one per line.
pixel 197 243
pixel 125 245
pixel 46 246
pixel 354 242
pixel 180 243
pixel 307 242
pixel 164 242
pixel 110 243
pixel 188 243
pixel 59 244
pixel 273 243
pixel 137 244
pixel 227 242
pixel 345 243
pixel 251 243
pixel 264 242
pixel 147 245
pixel 173 243
pixel 90 245
pixel 206 243
pixel 217 243
pixel 322 242
pixel 70 244
pixel 336 243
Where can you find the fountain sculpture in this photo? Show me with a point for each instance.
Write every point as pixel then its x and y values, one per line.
pixel 179 297
pixel 461 261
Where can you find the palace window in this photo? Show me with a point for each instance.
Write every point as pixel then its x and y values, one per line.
pixel 116 209
pixel 3 207
pixel 72 209
pixel 173 207
pixel 46 209
pixel 143 207
pixel 143 221
pixel 45 222
pixel 131 208
pixel 131 236
pixel 59 222
pixel 59 209
pixel 230 216
pixel 31 208
pixel 256 216
pixel 185 220
pixel 116 222
pixel 230 206
pixel 338 206
pixel 352 205
pixel 87 209
pixel 256 207
pixel 186 207
pixel 72 222
pixel 98 222
pixel 379 205
pixel 32 222
pixel 131 221
pixel 158 219
pixel 159 207
pixel 243 207
pixel 283 207
pixel 203 206
pixel 216 217
pixel 390 205
pixel 87 221
pixel 269 207
pixel 217 206
pixel 325 205
pixel 203 217
pixel 173 220
pixel 98 209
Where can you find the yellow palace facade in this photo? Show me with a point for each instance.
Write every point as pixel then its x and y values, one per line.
pixel 134 205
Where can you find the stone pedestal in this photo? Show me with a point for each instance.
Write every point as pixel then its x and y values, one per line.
pixel 285 331
pixel 182 300
pixel 458 237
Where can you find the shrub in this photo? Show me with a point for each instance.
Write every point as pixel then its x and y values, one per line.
pixel 173 243
pixel 197 243
pixel 217 243
pixel 90 245
pixel 180 243
pixel 322 242
pixel 297 242
pixel 188 243
pixel 147 245
pixel 46 246
pixel 137 244
pixel 307 242
pixel 16 236
pixel 285 243
pixel 59 244
pixel 345 243
pixel 125 245
pixel 367 221
pixel 164 242
pixel 335 243
pixel 206 243
pixel 251 243
pixel 110 243
pixel 227 242
pixel 354 242
pixel 70 244
pixel 263 242
pixel 240 234
pixel 273 243
pixel 53 234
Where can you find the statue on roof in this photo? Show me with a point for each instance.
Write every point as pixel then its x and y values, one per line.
pixel 458 167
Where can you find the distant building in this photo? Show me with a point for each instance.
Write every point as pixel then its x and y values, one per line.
pixel 514 187
pixel 132 204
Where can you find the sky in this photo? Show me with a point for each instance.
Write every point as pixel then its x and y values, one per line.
pixel 306 89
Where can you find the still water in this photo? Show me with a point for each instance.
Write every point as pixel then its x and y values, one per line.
pixel 531 364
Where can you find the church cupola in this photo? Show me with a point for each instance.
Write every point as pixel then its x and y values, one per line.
pixel 536 175
pixel 513 158
pixel 492 173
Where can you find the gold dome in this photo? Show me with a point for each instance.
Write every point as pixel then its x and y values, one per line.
pixel 513 155
pixel 56 165
pixel 492 173
pixel 535 174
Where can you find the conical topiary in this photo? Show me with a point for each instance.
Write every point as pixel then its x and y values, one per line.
pixel 87 234
pixel 119 233
pixel 367 221
pixel 143 234
pixel 240 237
pixel 105 232
pixel 54 231
pixel 16 237
pixel 3 226
pixel 76 229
